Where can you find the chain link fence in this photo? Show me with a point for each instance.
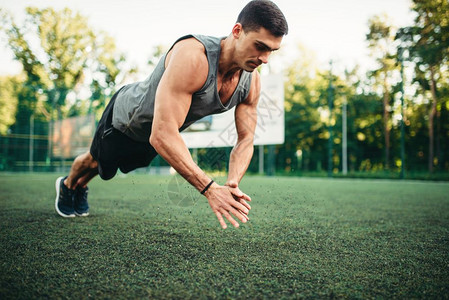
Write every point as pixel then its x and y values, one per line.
pixel 45 146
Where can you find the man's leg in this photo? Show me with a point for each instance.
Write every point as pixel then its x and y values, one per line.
pixel 71 191
pixel 84 168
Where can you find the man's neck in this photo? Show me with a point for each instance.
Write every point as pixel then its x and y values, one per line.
pixel 227 68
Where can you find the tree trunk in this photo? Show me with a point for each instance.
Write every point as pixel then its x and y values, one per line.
pixel 439 153
pixel 386 117
pixel 432 114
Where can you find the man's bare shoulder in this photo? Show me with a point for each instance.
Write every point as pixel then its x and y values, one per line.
pixel 188 62
pixel 191 44
pixel 189 48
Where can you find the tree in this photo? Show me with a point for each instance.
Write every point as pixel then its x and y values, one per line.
pixel 58 51
pixel 8 101
pixel 305 137
pixel 109 71
pixel 381 41
pixel 69 51
pixel 428 43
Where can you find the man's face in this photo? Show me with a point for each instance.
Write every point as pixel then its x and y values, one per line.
pixel 254 47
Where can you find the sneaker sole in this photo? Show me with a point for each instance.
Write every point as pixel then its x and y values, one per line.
pixel 82 215
pixel 57 186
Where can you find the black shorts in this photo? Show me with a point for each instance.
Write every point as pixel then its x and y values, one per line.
pixel 114 150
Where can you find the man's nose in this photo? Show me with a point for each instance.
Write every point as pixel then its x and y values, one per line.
pixel 264 57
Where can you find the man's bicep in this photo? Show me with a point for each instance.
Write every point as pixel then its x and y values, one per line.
pixel 186 73
pixel 246 119
pixel 246 112
pixel 171 105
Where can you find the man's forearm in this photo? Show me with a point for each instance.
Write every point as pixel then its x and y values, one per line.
pixel 239 161
pixel 176 153
pixel 225 201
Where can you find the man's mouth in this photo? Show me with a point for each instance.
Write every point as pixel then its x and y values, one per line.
pixel 253 64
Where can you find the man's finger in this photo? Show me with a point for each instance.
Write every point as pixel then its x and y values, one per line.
pixel 245 215
pixel 239 214
pixel 239 194
pixel 220 219
pixel 231 219
pixel 246 197
pixel 244 203
pixel 239 206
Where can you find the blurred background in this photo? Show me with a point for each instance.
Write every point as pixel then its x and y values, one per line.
pixel 366 82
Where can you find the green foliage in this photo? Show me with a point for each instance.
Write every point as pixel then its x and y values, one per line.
pixel 381 41
pixel 61 55
pixel 70 56
pixel 69 50
pixel 66 40
pixel 307 121
pixel 305 130
pixel 373 106
pixel 8 101
pixel 427 42
pixel 58 65
pixel 431 31
pixel 158 51
pixel 110 71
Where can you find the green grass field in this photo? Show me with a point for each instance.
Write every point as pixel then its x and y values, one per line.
pixel 307 238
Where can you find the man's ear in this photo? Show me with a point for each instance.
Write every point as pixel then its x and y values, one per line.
pixel 237 30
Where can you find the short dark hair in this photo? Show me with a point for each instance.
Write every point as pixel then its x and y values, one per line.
pixel 263 13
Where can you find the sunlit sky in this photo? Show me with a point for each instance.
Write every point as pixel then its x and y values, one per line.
pixel 332 29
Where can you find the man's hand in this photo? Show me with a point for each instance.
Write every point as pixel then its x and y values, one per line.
pixel 226 201
pixel 236 192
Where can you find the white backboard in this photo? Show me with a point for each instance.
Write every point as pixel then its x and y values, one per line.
pixel 219 130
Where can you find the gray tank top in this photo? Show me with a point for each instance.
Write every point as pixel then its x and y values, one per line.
pixel 134 105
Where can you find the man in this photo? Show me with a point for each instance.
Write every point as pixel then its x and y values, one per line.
pixel 198 76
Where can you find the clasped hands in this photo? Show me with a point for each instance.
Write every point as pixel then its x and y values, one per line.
pixel 227 201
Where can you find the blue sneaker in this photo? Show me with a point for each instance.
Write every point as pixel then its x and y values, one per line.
pixel 81 205
pixel 64 199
